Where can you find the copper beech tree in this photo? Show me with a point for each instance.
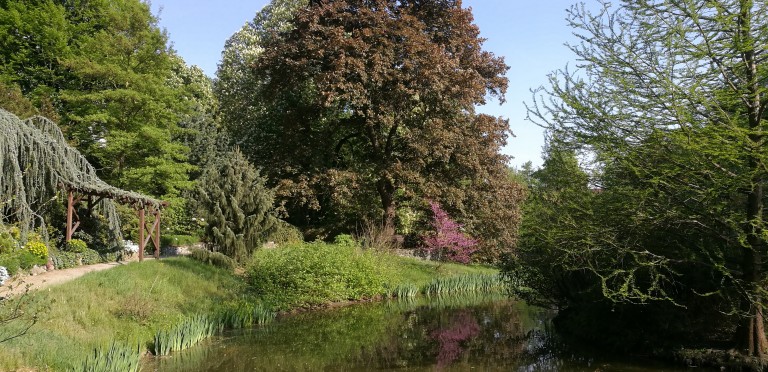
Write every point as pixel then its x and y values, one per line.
pixel 367 102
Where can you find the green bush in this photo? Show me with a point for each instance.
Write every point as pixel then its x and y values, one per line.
pixel 285 233
pixel 7 243
pixel 312 274
pixel 37 248
pixel 76 246
pixel 214 258
pixel 177 240
pixel 66 260
pixel 345 240
pixel 21 259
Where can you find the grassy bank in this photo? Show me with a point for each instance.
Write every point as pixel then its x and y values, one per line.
pixel 130 304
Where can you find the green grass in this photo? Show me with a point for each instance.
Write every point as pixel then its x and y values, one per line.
pixel 127 304
pixel 133 303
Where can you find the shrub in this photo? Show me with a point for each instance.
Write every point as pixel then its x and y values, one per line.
pixel 448 242
pixel 170 240
pixel 66 260
pixel 76 246
pixel 7 242
pixel 21 259
pixel 37 248
pixel 345 240
pixel 285 233
pixel 213 258
pixel 312 274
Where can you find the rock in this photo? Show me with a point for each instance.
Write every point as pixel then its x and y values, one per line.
pixel 37 270
pixel 3 275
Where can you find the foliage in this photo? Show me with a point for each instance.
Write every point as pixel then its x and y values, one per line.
pixel 171 240
pixel 670 103
pixel 76 246
pixel 468 284
pixel 213 258
pixel 184 335
pixel 70 259
pixel 338 138
pixel 345 240
pixel 313 274
pixel 18 314
pixel 448 242
pixel 36 161
pixel 237 206
pixel 89 310
pixel 37 248
pixel 117 358
pixel 21 259
pixel 285 233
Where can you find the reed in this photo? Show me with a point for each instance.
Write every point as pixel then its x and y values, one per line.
pixel 405 291
pixel 186 334
pixel 477 283
pixel 117 358
pixel 245 315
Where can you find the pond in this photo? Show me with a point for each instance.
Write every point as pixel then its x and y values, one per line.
pixel 450 334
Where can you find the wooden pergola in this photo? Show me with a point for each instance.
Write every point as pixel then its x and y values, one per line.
pixel 142 204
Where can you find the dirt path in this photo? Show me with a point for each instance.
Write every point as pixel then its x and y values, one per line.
pixel 46 279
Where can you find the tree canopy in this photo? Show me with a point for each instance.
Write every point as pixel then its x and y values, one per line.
pixel 669 100
pixel 357 103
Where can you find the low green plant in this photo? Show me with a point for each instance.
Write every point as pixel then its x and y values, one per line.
pixel 66 260
pixel 169 240
pixel 345 240
pixel 20 259
pixel 285 233
pixel 310 274
pixel 7 243
pixel 76 246
pixel 245 314
pixel 213 258
pixel 478 283
pixel 116 358
pixel 403 291
pixel 37 248
pixel 186 334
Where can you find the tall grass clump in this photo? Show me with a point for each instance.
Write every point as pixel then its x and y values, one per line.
pixel 404 291
pixel 117 358
pixel 245 314
pixel 311 274
pixel 188 333
pixel 477 283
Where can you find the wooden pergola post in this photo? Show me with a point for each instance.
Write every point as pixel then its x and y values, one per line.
pixel 141 233
pixel 153 233
pixel 72 215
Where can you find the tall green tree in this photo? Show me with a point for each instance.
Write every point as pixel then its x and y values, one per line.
pixel 237 206
pixel 669 98
pixel 107 69
pixel 373 102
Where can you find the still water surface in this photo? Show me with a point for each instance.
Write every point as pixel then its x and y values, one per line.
pixel 454 334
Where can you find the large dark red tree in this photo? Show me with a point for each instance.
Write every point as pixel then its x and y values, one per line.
pixel 374 101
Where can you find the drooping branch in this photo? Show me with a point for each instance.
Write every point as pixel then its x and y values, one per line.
pixel 36 162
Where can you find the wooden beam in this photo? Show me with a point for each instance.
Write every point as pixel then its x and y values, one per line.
pixel 142 226
pixel 157 233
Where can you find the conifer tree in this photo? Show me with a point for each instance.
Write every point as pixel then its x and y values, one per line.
pixel 237 206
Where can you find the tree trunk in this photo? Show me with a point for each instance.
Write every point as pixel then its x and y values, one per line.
pixel 387 193
pixel 750 334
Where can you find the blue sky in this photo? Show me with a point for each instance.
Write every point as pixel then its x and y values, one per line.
pixel 529 34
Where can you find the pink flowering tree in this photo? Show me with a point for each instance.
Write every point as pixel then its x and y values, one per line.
pixel 447 242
